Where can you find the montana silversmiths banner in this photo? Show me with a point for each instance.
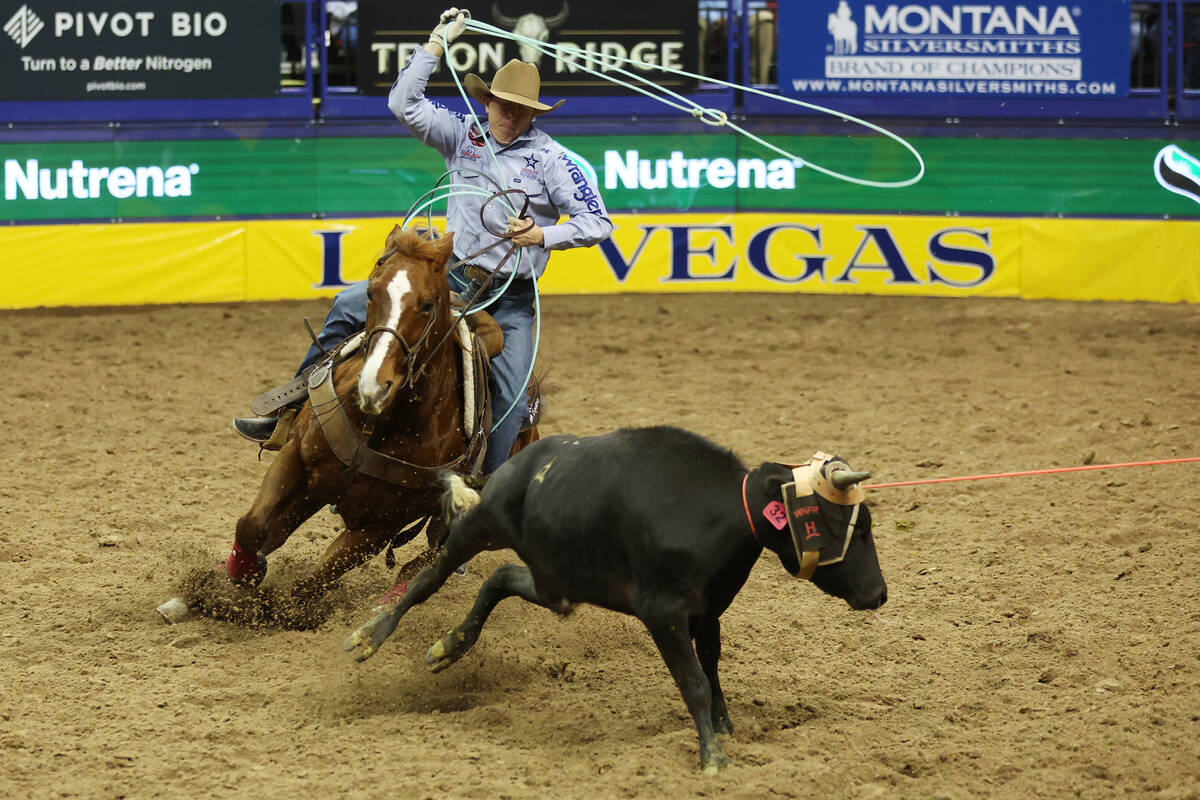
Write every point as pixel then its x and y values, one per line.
pixel 663 34
pixel 138 50
pixel 956 49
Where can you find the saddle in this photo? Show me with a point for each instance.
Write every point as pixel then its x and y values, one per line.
pixel 480 323
pixel 479 339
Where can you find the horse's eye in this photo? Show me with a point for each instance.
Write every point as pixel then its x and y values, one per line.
pixel 427 308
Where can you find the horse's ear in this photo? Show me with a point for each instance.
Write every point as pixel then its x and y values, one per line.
pixel 445 250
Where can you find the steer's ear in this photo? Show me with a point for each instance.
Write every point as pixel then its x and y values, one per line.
pixel 774 477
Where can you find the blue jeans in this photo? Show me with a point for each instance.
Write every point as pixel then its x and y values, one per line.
pixel 347 316
pixel 514 313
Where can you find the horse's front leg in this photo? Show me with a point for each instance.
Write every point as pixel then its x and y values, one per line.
pixel 349 550
pixel 282 504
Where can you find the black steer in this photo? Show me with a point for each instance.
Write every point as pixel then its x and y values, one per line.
pixel 652 522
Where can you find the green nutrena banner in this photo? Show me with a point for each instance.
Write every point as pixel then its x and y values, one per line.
pixel 325 176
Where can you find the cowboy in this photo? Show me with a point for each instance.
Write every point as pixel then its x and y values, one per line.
pixel 526 158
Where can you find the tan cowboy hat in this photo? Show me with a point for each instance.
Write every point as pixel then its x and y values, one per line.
pixel 516 82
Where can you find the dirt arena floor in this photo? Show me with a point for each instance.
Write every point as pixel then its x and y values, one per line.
pixel 1041 637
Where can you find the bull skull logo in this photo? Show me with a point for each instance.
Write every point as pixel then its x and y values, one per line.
pixel 531 26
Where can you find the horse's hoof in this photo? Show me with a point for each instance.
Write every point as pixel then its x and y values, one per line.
pixel 246 569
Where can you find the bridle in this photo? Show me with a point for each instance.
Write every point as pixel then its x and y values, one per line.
pixel 412 370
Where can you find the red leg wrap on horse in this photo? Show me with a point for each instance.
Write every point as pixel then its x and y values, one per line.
pixel 241 566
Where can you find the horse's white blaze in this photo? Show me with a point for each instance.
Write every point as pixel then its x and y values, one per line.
pixel 368 380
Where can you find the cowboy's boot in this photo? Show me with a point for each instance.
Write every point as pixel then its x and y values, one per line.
pixel 270 433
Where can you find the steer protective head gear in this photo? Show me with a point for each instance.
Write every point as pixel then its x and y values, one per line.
pixel 453 22
pixel 821 517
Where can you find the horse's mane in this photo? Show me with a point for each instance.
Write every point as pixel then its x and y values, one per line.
pixel 417 245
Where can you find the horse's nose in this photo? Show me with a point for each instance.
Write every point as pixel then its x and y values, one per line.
pixel 370 399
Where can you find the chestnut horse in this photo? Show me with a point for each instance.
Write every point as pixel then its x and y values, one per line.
pixel 409 410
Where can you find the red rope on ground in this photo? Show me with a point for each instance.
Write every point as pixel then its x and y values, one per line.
pixel 1033 472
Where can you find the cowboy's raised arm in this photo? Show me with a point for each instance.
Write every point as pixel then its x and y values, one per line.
pixel 431 123
pixel 576 196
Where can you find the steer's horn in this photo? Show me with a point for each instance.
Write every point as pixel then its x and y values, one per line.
pixel 559 18
pixel 843 479
pixel 499 16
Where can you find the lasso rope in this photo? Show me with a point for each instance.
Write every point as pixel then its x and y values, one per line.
pixel 709 116
pixel 1025 473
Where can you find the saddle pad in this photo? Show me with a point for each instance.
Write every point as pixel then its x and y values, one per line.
pixel 467 350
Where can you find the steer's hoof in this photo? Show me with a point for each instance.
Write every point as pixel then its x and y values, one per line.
pixel 445 651
pixel 715 763
pixel 366 641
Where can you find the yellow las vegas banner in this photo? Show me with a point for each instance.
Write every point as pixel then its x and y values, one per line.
pixel 186 262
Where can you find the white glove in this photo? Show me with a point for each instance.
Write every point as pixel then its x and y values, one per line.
pixel 452 22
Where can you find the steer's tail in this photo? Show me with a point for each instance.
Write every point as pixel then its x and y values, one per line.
pixel 459 498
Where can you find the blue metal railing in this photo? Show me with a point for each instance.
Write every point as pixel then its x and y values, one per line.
pixel 1186 60
pixel 313 97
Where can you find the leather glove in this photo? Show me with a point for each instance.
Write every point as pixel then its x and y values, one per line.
pixel 452 22
pixel 529 233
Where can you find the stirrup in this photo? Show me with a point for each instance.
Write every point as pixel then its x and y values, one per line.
pixel 283 427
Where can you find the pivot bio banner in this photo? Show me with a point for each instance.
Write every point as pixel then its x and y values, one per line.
pixel 141 50
pixel 956 49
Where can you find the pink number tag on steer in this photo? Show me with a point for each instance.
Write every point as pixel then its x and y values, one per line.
pixel 776 514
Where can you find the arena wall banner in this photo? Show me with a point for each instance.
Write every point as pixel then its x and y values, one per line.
pixel 1130 260
pixel 653 33
pixel 146 263
pixel 68 50
pixel 956 49
pixel 360 176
